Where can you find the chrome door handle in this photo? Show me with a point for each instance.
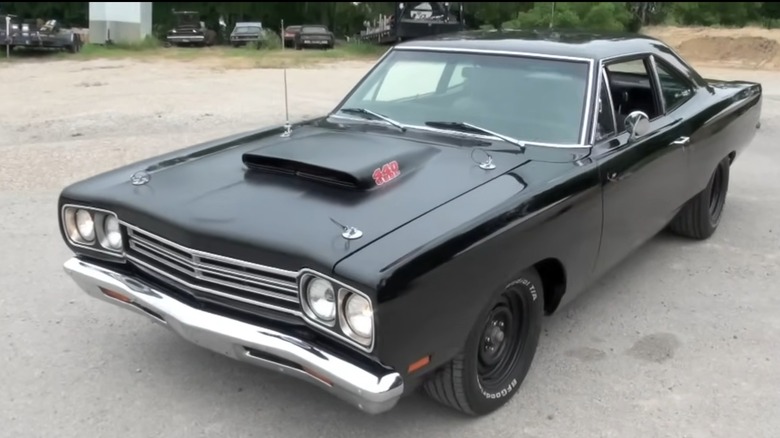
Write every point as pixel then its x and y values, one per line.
pixel 682 141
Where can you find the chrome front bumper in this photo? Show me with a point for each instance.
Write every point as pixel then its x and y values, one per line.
pixel 373 393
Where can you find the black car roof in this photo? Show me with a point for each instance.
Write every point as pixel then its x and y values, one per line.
pixel 568 43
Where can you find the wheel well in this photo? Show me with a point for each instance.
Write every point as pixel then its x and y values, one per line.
pixel 553 281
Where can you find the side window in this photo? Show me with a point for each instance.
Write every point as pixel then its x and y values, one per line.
pixel 674 89
pixel 632 89
pixel 605 124
pixel 410 79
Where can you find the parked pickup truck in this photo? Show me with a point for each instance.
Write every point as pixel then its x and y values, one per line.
pixel 418 234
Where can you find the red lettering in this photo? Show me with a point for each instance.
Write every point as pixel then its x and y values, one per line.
pixel 386 173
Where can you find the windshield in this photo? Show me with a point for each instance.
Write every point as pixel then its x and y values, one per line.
pixel 531 99
pixel 248 29
pixel 314 29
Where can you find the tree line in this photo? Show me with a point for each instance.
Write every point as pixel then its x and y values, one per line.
pixel 347 18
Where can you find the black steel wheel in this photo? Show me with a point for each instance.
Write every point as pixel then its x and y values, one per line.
pixel 498 353
pixel 700 217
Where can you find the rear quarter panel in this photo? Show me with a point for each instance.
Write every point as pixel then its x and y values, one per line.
pixel 725 120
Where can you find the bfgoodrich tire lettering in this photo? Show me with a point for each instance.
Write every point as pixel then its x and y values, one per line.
pixel 498 352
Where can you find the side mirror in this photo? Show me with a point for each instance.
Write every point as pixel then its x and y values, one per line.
pixel 637 124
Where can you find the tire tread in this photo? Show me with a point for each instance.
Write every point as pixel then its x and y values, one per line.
pixel 446 386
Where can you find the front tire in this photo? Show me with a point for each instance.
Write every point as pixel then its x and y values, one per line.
pixel 700 217
pixel 498 352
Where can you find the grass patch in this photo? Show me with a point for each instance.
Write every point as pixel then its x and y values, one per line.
pixel 250 56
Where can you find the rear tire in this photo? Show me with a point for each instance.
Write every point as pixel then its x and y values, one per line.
pixel 498 352
pixel 700 216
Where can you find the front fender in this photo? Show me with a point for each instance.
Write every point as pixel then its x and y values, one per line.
pixel 433 276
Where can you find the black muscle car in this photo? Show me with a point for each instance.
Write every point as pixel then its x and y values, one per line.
pixel 190 31
pixel 314 35
pixel 416 235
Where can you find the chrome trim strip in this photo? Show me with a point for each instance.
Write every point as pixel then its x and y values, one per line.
pixel 496 52
pixel 588 103
pixel 658 90
pixel 373 392
pixel 605 79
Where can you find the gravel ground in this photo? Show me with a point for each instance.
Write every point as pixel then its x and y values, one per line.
pixel 681 340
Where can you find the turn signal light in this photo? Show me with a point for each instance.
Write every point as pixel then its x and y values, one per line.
pixel 116 295
pixel 419 364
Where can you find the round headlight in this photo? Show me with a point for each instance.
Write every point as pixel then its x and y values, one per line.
pixel 322 299
pixel 85 225
pixel 359 316
pixel 112 232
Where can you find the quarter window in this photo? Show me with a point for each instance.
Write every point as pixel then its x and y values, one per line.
pixel 674 89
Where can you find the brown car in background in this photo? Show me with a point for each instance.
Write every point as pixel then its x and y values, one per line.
pixel 289 35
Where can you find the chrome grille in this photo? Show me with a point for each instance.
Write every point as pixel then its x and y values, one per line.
pixel 210 274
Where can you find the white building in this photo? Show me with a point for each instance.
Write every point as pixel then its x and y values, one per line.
pixel 120 22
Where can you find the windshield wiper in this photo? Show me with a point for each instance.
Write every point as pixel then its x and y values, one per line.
pixel 375 116
pixel 468 127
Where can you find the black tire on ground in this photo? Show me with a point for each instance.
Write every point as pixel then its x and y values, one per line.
pixel 700 216
pixel 498 352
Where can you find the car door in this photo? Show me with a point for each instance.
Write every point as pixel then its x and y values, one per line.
pixel 641 177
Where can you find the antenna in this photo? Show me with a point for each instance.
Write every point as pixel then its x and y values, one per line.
pixel 287 126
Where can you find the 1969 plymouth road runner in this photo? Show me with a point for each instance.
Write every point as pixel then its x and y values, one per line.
pixel 416 235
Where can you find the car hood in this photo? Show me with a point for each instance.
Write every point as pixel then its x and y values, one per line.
pixel 281 201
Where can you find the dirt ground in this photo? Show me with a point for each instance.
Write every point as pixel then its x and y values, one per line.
pixel 678 341
pixel 751 47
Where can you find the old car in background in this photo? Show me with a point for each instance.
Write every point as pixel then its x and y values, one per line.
pixel 49 35
pixel 288 36
pixel 314 35
pixel 189 30
pixel 416 235
pixel 251 33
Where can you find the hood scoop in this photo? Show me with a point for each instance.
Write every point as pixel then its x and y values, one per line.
pixel 347 160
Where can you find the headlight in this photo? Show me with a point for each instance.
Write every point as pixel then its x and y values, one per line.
pixel 85 225
pixel 321 300
pixel 92 228
pixel 359 318
pixel 109 233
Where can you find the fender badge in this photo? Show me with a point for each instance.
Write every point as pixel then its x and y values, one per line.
pixel 140 178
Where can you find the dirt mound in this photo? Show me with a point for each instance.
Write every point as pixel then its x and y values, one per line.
pixel 752 51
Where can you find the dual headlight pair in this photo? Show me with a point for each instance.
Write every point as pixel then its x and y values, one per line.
pixel 90 227
pixel 342 310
